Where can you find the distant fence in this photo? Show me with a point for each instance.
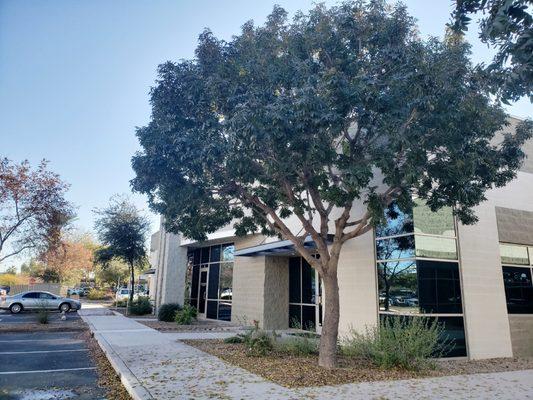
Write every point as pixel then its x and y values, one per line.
pixel 55 288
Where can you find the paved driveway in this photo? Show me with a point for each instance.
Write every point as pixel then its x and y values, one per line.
pixel 46 366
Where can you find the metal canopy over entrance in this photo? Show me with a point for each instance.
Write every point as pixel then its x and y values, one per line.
pixel 281 248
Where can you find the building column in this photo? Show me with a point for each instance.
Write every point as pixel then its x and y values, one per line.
pixel 485 311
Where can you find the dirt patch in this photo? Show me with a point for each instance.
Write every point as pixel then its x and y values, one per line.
pixel 55 326
pixel 199 325
pixel 107 377
pixel 303 371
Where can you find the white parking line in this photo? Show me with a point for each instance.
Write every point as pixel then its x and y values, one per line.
pixel 41 351
pixel 46 371
pixel 40 340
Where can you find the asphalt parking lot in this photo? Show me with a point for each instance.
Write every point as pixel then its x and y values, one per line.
pixel 27 317
pixel 46 366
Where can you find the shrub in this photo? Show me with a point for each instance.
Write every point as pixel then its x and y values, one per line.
pixel 141 306
pixel 167 312
pixel 401 342
pixel 234 339
pixel 186 315
pixel 260 343
pixel 97 294
pixel 300 346
pixel 43 316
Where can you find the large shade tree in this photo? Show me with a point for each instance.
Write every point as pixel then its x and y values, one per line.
pixel 303 119
pixel 507 26
pixel 122 231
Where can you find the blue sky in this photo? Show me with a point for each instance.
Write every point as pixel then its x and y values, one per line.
pixel 75 75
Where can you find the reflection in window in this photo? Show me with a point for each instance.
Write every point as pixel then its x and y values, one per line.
pixel 398 222
pixel 439 223
pixel 398 286
pixel 514 254
pixel 409 287
pixel 400 247
pixel 228 252
pixel 226 278
pixel 435 247
pixel 518 290
pixel 302 294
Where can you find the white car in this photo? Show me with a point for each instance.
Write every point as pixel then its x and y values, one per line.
pixel 122 295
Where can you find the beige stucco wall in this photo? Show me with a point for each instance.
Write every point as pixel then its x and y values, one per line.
pixel 276 292
pixel 357 285
pixel 522 334
pixel 487 323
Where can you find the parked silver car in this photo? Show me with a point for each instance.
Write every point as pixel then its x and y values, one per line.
pixel 37 301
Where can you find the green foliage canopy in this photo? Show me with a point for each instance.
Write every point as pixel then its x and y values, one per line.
pixel 298 118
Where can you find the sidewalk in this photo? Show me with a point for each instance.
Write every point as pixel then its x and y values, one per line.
pixel 155 365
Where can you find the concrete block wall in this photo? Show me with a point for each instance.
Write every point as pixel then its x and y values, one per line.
pixel 522 334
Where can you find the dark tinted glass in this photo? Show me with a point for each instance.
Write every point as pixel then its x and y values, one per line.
pixel 294 280
pixel 193 303
pixel 395 248
pixel 309 317
pixel 212 307
pixel 224 311
pixel 398 222
pixel 215 253
pixel 205 255
pixel 308 283
pixel 439 288
pixel 201 300
pixel 197 256
pixel 518 290
pixel 194 283
pixel 203 276
pixel 32 295
pixel 295 319
pixel 212 291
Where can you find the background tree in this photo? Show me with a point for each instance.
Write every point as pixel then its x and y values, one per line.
pixel 298 120
pixel 122 231
pixel 69 262
pixel 33 208
pixel 111 272
pixel 506 25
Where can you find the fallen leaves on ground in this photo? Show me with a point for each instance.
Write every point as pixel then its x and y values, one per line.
pixel 303 371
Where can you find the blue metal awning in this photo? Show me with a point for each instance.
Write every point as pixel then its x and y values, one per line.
pixel 281 248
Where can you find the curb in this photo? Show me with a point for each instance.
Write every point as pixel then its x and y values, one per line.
pixel 132 385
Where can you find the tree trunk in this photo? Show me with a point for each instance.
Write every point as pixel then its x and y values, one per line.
pixel 132 281
pixel 330 327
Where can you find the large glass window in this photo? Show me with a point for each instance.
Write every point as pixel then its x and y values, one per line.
pixel 518 290
pixel 417 276
pixel 514 254
pixel 302 294
pixel 209 280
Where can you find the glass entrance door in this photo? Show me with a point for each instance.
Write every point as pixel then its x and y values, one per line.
pixel 202 291
pixel 305 296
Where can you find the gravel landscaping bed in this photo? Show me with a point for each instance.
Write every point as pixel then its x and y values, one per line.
pixel 199 325
pixel 302 371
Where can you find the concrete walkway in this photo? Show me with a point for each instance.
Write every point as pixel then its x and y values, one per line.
pixel 155 365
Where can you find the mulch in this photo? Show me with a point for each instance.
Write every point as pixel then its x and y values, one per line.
pixel 302 371
pixel 198 326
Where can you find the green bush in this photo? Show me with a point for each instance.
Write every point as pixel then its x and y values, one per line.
pixel 186 315
pixel 141 306
pixel 260 343
pixel 300 346
pixel 43 316
pixel 234 339
pixel 97 294
pixel 167 312
pixel 399 342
